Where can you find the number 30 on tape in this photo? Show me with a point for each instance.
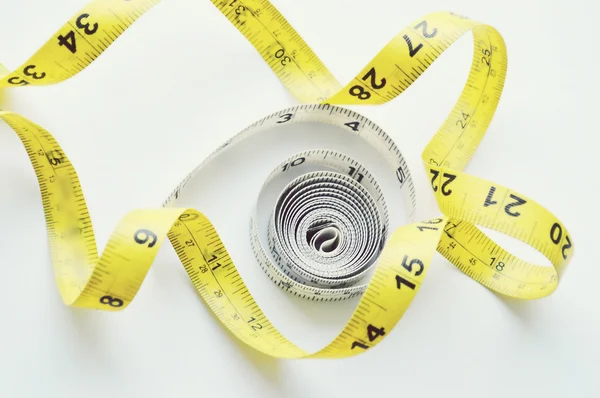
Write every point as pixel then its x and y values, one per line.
pixel 339 211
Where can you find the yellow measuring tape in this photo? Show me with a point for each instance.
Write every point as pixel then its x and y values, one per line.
pixel 111 281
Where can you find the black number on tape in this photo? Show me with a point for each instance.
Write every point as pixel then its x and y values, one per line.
pixel 285 118
pixel 423 26
pixel 360 92
pixel 484 59
pixel 352 173
pixel 352 125
pixel 293 163
pixel 451 226
pixel 434 174
pixel 112 301
pixel 68 41
pixel 422 228
pixel 400 175
pixel 409 265
pixel 54 157
pixel 143 235
pixel 256 326
pixel 450 178
pixel 371 74
pixel 28 71
pixel 507 208
pixel 566 246
pixel 499 266
pixel 401 281
pixel 374 332
pixel 488 200
pixel 86 26
pixel 465 115
pixel 412 51
pixel 280 54
pixel 556 236
pixel 186 216
pixel 518 202
pixel 556 233
pixel 16 80
pixel 359 344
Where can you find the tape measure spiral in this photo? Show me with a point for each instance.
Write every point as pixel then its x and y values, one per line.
pixel 326 230
pixel 111 281
pixel 348 181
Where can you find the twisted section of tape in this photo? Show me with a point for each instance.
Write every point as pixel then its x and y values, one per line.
pixel 111 281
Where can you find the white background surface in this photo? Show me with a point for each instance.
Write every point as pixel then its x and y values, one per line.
pixel 181 81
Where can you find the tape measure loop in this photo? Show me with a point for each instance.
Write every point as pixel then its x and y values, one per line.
pixel 329 235
pixel 470 202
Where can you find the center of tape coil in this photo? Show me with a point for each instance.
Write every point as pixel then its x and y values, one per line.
pixel 321 221
pixel 324 238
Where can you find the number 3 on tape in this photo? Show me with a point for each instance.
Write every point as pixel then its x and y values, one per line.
pixel 346 236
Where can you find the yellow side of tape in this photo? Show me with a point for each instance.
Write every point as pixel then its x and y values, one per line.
pixel 111 281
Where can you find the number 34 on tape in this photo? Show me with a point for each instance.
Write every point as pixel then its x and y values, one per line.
pixel 87 280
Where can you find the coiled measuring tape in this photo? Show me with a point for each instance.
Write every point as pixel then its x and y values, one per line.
pixel 328 227
pixel 330 220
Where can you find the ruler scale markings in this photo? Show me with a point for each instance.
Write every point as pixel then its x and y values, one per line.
pixel 399 266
